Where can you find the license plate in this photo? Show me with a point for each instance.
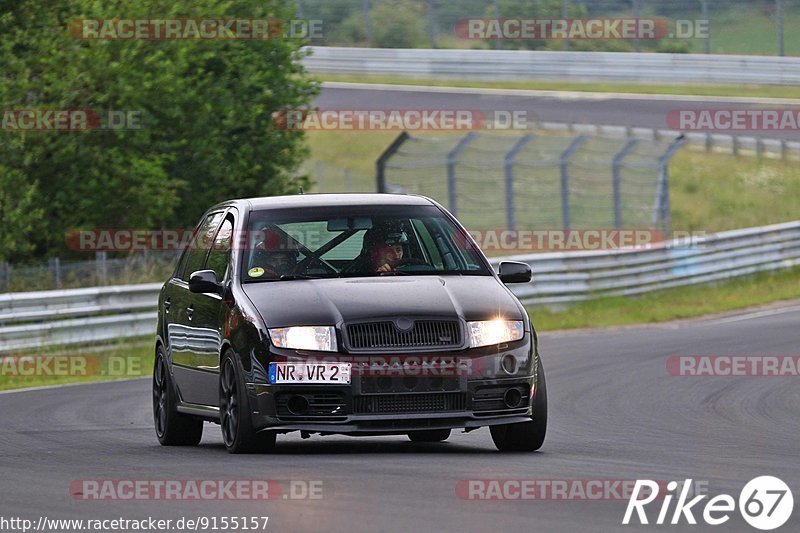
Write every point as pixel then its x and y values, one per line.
pixel 336 373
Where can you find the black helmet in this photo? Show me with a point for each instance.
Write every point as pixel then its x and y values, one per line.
pixel 390 233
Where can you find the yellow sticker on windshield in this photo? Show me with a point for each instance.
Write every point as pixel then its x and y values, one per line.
pixel 255 272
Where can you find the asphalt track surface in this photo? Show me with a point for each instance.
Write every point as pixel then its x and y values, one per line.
pixel 615 414
pixel 646 111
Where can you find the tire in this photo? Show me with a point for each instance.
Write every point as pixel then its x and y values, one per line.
pixel 526 436
pixel 172 428
pixel 429 435
pixel 236 423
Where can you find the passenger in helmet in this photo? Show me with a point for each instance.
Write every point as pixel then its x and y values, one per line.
pixel 276 255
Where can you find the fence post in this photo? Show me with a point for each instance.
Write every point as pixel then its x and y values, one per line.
pixel 564 164
pixel 617 179
pixel 759 148
pixel 735 145
pixel 100 267
pixel 508 165
pixel 432 23
pixel 452 159
pixel 5 275
pixel 367 21
pixel 55 269
pixel 498 42
pixel 709 143
pixel 779 19
pixel 319 171
pixel 662 204
pixel 784 149
pixel 380 164
pixel 705 18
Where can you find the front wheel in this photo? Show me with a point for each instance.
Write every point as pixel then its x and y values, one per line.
pixel 172 427
pixel 527 436
pixel 238 433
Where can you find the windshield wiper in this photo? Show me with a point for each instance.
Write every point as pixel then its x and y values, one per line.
pixel 290 277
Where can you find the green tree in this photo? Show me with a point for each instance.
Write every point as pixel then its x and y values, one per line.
pixel 399 24
pixel 205 107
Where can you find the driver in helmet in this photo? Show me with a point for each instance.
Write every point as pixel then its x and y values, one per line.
pixel 276 255
pixel 384 247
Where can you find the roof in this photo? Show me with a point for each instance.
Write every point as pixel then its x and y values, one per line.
pixel 323 200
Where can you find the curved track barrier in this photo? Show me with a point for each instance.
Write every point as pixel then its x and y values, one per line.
pixel 526 65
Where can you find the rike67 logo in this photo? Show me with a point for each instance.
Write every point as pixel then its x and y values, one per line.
pixel 765 503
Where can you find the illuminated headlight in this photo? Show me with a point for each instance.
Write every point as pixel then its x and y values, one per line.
pixel 317 338
pixel 491 332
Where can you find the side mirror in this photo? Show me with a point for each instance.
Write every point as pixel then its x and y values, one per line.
pixel 204 281
pixel 513 272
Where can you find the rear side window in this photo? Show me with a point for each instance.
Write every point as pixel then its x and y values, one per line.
pixel 202 241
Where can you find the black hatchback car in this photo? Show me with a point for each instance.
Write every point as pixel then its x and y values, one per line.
pixel 356 314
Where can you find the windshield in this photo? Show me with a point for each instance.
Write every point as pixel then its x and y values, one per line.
pixel 289 244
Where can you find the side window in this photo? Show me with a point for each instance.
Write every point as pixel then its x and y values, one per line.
pixel 195 258
pixel 220 252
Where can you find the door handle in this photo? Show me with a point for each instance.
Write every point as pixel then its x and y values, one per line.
pixel 167 303
pixel 189 312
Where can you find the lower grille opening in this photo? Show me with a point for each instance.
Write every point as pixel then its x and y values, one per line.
pixel 410 403
pixel 494 398
pixel 316 405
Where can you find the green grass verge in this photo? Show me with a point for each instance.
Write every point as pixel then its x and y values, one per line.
pixel 125 359
pixel 672 304
pixel 755 91
pixel 716 192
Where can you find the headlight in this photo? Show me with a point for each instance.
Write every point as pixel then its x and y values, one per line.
pixel 317 338
pixel 491 332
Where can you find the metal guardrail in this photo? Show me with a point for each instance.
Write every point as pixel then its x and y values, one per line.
pixel 525 65
pixel 29 320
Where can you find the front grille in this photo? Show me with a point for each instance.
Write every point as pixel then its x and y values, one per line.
pixel 422 334
pixel 407 384
pixel 410 403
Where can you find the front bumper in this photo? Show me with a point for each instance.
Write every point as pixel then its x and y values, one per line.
pixel 348 409
pixel 385 402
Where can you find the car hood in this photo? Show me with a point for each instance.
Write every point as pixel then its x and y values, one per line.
pixel 334 301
